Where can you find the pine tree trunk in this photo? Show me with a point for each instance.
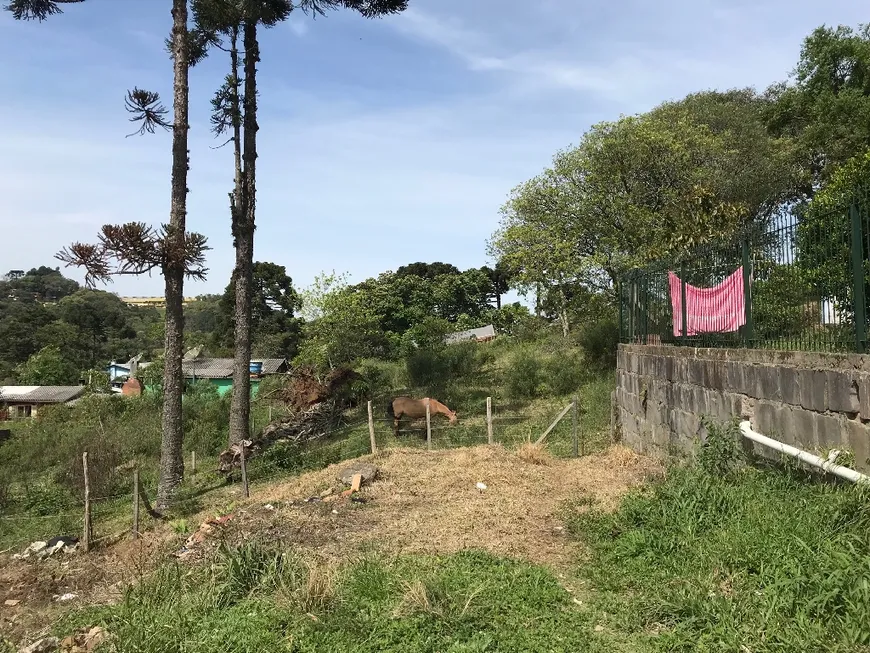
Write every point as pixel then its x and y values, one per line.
pixel 171 454
pixel 240 410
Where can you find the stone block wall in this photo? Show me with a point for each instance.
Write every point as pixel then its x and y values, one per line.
pixel 813 401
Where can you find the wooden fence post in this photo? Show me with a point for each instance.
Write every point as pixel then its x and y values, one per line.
pixel 86 535
pixel 372 430
pixel 553 425
pixel 193 462
pixel 575 438
pixel 428 426
pixel 489 420
pixel 136 504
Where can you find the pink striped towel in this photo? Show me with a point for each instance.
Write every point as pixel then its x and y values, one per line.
pixel 719 309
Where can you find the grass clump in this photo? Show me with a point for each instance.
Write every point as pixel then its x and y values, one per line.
pixel 719 557
pixel 259 599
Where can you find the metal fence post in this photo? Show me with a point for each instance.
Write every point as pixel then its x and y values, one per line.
pixel 859 298
pixel 683 308
pixel 749 328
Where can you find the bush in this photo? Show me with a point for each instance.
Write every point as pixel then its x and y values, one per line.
pixel 523 375
pixel 428 369
pixel 565 373
pixel 600 340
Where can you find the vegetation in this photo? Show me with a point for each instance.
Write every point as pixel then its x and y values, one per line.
pixel 726 557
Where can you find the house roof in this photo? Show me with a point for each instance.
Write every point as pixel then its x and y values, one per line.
pixel 487 331
pixel 222 368
pixel 40 394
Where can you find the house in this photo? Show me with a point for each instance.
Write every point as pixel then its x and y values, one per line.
pixel 219 371
pixel 23 401
pixel 120 373
pixel 483 334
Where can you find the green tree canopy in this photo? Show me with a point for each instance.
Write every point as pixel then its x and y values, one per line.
pixel 47 367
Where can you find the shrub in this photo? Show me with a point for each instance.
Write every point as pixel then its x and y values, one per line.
pixel 600 340
pixel 523 375
pixel 428 368
pixel 565 373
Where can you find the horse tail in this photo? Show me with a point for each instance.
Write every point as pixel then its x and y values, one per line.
pixel 390 411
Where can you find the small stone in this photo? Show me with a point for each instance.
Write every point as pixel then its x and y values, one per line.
pixel 599 628
pixel 95 637
pixel 367 472
pixel 45 645
pixel 327 492
pixel 11 603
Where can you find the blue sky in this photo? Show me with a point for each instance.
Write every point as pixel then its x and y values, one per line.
pixel 381 143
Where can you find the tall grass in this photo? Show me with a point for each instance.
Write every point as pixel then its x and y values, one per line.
pixel 722 557
pixel 257 599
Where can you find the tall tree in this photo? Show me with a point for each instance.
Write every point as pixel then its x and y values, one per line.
pixel 825 106
pixel 227 18
pixel 135 248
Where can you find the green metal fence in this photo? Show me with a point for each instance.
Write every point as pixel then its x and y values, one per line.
pixel 804 285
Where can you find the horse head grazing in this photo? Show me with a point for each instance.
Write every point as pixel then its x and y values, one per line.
pixel 452 417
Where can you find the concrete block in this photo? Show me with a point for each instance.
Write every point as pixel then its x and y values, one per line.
pixel 813 390
pixel 804 424
pixel 790 385
pixel 748 383
pixel 842 392
pixel 699 401
pixel 734 402
pixel 681 370
pixel 830 432
pixel 733 376
pixel 858 442
pixel 774 420
pixel 697 372
pixel 767 379
pixel 715 375
pixel 863 381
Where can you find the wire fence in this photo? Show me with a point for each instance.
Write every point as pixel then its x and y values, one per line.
pixel 112 515
pixel 799 282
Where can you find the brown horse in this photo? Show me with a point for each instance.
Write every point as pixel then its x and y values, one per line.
pixel 416 409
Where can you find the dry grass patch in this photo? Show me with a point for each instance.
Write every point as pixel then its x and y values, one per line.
pixel 429 503
pixel 535 454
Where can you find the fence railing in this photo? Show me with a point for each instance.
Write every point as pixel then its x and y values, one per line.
pixel 800 282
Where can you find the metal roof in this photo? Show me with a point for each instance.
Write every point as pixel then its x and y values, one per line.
pixel 40 394
pixel 222 368
pixel 487 331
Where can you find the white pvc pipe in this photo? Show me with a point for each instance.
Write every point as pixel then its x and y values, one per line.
pixel 800 454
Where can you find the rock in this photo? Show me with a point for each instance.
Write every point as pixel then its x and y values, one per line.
pixel 328 491
pixel 11 603
pixel 45 645
pixel 69 596
pixel 95 637
pixel 367 471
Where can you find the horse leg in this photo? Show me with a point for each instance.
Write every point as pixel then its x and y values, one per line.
pixel 396 426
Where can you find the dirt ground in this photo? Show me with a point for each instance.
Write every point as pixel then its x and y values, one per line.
pixel 428 502
pixel 421 502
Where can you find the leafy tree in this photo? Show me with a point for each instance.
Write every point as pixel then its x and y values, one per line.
pixel 824 235
pixel 825 106
pixel 347 329
pixel 47 367
pixel 427 270
pixel 42 284
pixel 135 248
pixel 275 331
pixel 98 316
pixel 639 189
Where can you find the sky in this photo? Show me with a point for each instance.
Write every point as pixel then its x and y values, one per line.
pixel 382 142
